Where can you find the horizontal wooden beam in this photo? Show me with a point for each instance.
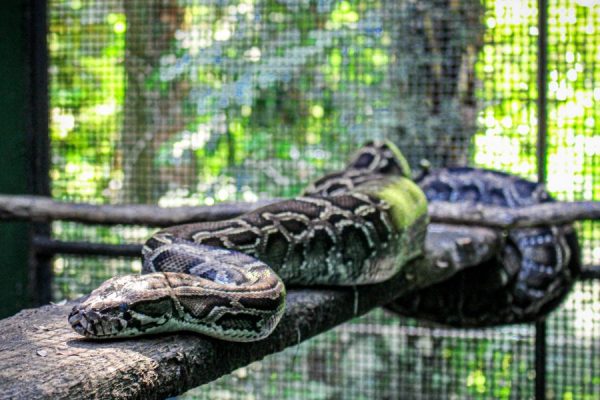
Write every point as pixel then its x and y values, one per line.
pixel 44 209
pixel 41 357
pixel 556 213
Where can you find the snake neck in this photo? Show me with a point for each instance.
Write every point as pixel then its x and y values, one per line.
pixel 375 166
pixel 357 226
pixel 351 227
pixel 407 202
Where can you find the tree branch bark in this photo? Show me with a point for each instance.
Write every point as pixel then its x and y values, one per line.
pixel 43 209
pixel 42 357
pixel 558 213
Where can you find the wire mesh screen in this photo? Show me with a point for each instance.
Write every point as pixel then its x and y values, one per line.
pixel 177 102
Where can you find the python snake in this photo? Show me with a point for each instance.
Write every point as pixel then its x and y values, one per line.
pixel 357 226
pixel 227 279
pixel 528 278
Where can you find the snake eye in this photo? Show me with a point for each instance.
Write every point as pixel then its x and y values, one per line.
pixel 123 307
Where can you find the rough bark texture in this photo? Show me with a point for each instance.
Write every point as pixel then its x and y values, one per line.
pixel 42 357
pixel 42 209
pixel 557 213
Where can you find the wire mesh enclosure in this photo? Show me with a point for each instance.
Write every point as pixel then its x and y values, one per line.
pixel 181 102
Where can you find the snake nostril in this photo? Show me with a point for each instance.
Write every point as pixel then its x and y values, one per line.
pixel 74 318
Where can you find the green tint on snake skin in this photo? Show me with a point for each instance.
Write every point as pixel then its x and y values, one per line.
pixel 357 226
pixel 401 159
pixel 407 200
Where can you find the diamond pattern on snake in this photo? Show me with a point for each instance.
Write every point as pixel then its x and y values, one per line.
pixel 530 276
pixel 358 226
pixel 227 279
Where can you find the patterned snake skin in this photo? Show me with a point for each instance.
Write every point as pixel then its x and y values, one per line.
pixel 531 276
pixel 225 279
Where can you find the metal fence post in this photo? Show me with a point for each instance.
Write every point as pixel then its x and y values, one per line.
pixel 542 145
pixel 38 140
pixel 13 154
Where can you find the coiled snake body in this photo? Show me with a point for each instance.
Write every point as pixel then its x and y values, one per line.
pixel 358 226
pixel 226 279
pixel 527 279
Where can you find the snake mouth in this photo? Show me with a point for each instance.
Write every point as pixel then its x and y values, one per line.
pixel 91 324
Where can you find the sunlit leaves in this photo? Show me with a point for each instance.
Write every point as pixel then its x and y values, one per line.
pixel 87 90
pixel 343 14
pixel 511 80
pixel 118 22
pixel 317 111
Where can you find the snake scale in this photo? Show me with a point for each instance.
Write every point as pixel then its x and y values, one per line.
pixel 227 279
pixel 361 225
pixel 532 274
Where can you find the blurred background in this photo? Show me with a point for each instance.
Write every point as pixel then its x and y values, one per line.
pixel 180 102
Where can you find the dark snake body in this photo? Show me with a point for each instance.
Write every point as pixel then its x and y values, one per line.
pixel 226 279
pixel 340 231
pixel 357 226
pixel 529 278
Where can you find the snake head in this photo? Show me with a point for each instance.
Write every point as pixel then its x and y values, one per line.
pixel 125 306
pixel 208 302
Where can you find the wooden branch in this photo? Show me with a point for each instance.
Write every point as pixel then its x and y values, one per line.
pixel 558 213
pixel 43 209
pixel 42 357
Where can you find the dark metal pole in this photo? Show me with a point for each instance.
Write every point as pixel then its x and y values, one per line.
pixel 14 162
pixel 542 86
pixel 589 273
pixel 540 360
pixel 542 144
pixel 38 139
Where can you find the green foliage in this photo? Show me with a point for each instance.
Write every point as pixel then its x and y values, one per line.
pixel 296 85
pixel 87 89
pixel 507 68
pixel 274 93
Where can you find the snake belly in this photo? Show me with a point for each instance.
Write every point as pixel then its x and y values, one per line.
pixel 226 279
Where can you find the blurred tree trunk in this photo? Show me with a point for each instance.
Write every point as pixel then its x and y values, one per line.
pixel 153 108
pixel 432 67
pixel 438 44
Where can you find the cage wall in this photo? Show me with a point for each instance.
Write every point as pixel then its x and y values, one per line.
pixel 198 102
